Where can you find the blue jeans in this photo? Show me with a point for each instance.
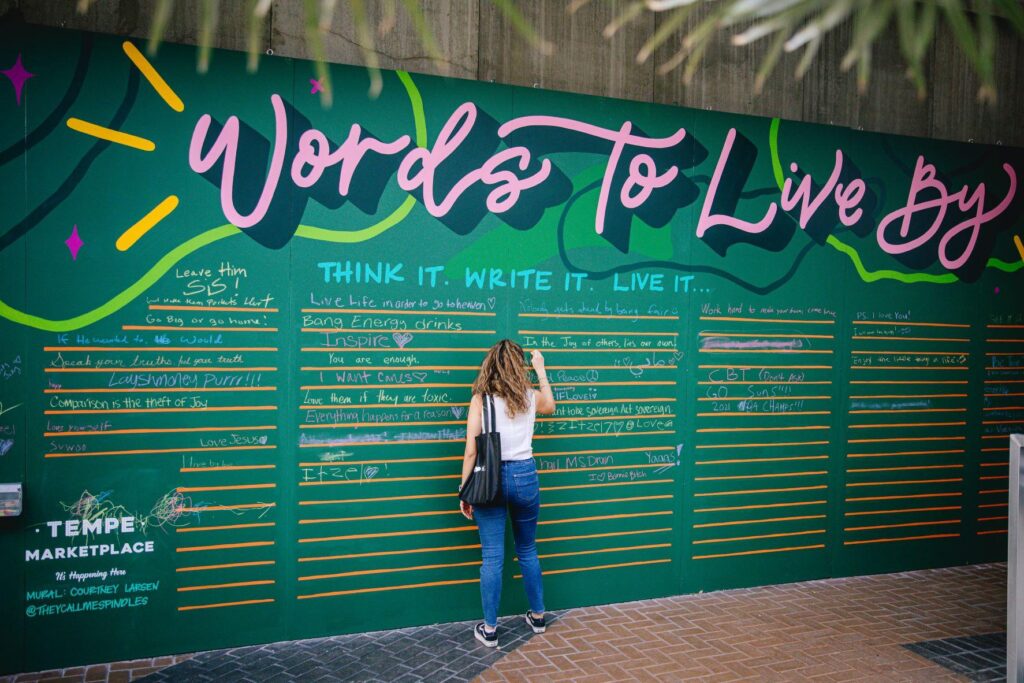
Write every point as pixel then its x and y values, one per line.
pixel 520 495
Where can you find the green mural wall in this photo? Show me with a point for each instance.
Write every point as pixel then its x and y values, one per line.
pixel 238 330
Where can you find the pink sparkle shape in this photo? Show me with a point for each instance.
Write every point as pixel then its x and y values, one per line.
pixel 17 74
pixel 74 243
pixel 316 86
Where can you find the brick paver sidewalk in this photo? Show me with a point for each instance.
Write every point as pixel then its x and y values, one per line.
pixel 889 627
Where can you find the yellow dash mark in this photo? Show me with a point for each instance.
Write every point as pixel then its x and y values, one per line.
pixel 1019 245
pixel 600 566
pixel 237 603
pixel 117 136
pixel 902 538
pixel 154 78
pixel 234 584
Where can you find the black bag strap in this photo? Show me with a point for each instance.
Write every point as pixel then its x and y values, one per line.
pixel 488 402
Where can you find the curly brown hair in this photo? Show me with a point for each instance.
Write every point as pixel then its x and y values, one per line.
pixel 503 373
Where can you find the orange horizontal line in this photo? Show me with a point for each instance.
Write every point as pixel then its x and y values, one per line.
pixel 256 309
pixel 607 500
pixel 902 510
pixel 606 550
pixel 398 515
pixel 395 312
pixel 992 519
pixel 1004 408
pixel 394 349
pixel 232 487
pixel 223 546
pixel 1004 381
pixel 765 398
pixel 375 481
pixel 226 468
pixel 328 463
pixel 222 527
pixel 604 467
pixel 907 467
pixel 601 566
pixel 762 445
pixel 758 537
pixel 159 348
pixel 709 333
pixel 757 521
pixel 761 507
pixel 388 570
pixel 902 538
pixel 739 351
pixel 742 460
pixel 801 428
pixel 898 411
pixel 907 381
pixel 225 604
pixel 235 584
pixel 198 329
pixel 892 453
pixel 910 353
pixel 331 444
pixel 329 368
pixel 374 500
pixel 741 382
pixel 1005 327
pixel 994 464
pixel 1017 393
pixel 215 508
pixel 907 424
pixel 600 316
pixel 750 366
pixel 908 438
pixel 161 430
pixel 997 340
pixel 991 531
pixel 908 367
pixel 905 481
pixel 905 497
pixel 228 565
pixel 771 475
pixel 901 525
pixel 399 423
pixel 1005 353
pixel 611 483
pixel 769 413
pixel 766 320
pixel 212 409
pixel 593 436
pixel 161 390
pixel 653 449
pixel 385 386
pixel 596 333
pixel 386 534
pixel 909 324
pixel 338 330
pixel 993 478
pixel 744 492
pixel 911 396
pixel 352 556
pixel 994 505
pixel 868 337
pixel 597 518
pixel 817 546
pixel 1002 422
pixel 158 450
pixel 608 534
pixel 386 588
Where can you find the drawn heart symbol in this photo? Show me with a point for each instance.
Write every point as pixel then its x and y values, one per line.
pixel 402 338
pixel 490 302
pixel 371 471
pixel 458 412
pixel 6 445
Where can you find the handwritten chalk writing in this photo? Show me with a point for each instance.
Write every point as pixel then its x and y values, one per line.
pixel 32 611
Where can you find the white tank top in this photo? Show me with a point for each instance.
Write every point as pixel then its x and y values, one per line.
pixel 516 433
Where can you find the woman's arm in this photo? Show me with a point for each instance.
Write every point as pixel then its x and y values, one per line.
pixel 546 400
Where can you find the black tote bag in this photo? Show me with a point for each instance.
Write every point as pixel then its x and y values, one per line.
pixel 484 484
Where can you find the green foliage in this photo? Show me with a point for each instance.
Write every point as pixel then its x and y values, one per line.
pixel 789 25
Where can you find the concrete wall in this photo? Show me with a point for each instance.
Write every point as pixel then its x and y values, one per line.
pixel 479 43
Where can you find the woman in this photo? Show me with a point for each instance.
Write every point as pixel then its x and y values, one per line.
pixel 516 404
